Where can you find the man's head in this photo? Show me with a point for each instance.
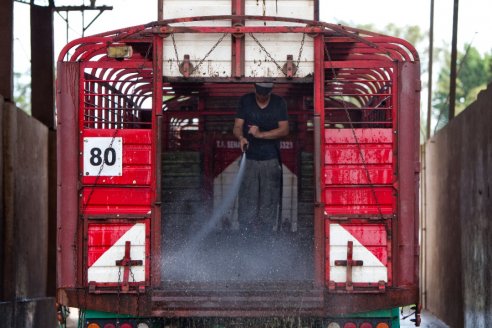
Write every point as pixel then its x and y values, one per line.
pixel 263 89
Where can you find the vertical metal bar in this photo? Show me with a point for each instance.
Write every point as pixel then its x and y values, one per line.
pixel 423 229
pixel 238 50
pixel 318 121
pixel 42 95
pixel 316 10
pixel 8 221
pixel 406 242
pixel 80 232
pixel 160 10
pixel 6 53
pixel 431 61
pixel 319 224
pixel 397 131
pixel 156 160
pixel 454 54
pixel 67 173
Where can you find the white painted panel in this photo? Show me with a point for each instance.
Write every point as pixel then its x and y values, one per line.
pixel 191 8
pixel 302 9
pixel 289 198
pixel 218 63
pixel 373 270
pixel 105 269
pixel 197 45
pixel 278 46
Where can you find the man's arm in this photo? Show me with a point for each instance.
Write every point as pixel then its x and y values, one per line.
pixel 281 131
pixel 238 132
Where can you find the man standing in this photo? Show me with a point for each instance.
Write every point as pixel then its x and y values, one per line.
pixel 260 121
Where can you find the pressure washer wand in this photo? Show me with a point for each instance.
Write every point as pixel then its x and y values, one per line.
pixel 245 148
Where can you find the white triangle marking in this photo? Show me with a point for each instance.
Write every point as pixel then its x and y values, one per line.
pixel 105 269
pixel 373 270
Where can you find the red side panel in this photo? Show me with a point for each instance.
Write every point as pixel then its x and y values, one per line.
pixel 358 172
pixel 128 193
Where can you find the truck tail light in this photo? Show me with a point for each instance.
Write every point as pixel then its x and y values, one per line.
pixel 142 325
pixel 366 325
pixel 126 325
pixel 333 325
pixel 109 325
pixel 93 325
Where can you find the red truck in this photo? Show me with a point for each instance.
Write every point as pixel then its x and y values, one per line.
pixel 147 160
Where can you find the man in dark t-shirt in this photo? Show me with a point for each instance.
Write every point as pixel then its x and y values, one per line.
pixel 260 121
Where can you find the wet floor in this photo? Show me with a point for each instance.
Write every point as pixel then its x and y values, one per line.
pixel 234 257
pixel 428 320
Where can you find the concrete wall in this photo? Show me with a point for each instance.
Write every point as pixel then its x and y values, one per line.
pixel 24 221
pixel 458 218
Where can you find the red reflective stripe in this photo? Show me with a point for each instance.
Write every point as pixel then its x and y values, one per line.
pixel 359 200
pixel 102 201
pixel 373 237
pixel 101 237
pixel 356 174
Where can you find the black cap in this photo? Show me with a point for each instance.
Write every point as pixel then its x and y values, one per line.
pixel 263 88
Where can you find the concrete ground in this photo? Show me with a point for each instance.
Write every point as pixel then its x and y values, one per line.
pixel 428 320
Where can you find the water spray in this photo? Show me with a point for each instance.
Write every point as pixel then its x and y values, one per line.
pixel 226 204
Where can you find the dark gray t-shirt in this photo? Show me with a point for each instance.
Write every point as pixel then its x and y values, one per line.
pixel 266 119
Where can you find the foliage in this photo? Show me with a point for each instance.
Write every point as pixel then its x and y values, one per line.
pixel 474 71
pixel 22 90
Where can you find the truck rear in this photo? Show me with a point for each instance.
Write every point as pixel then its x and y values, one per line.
pixel 148 230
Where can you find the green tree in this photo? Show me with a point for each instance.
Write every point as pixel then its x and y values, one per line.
pixel 22 90
pixel 474 71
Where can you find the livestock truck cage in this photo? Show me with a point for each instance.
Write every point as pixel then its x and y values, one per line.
pixel 147 156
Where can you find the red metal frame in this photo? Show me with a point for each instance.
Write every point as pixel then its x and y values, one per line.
pixel 376 53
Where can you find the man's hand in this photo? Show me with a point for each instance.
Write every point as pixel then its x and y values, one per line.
pixel 254 130
pixel 244 144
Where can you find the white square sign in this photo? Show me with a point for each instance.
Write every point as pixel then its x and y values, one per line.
pixel 103 156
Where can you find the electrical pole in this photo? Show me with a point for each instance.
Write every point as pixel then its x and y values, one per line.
pixel 431 62
pixel 454 51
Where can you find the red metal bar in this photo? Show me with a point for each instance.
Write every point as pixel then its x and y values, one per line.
pixel 156 160
pixel 349 263
pixel 408 172
pixel 67 176
pixel 319 118
pixel 126 262
pixel 238 60
pixel 239 29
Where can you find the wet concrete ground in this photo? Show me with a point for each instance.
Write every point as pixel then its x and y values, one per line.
pixel 428 320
